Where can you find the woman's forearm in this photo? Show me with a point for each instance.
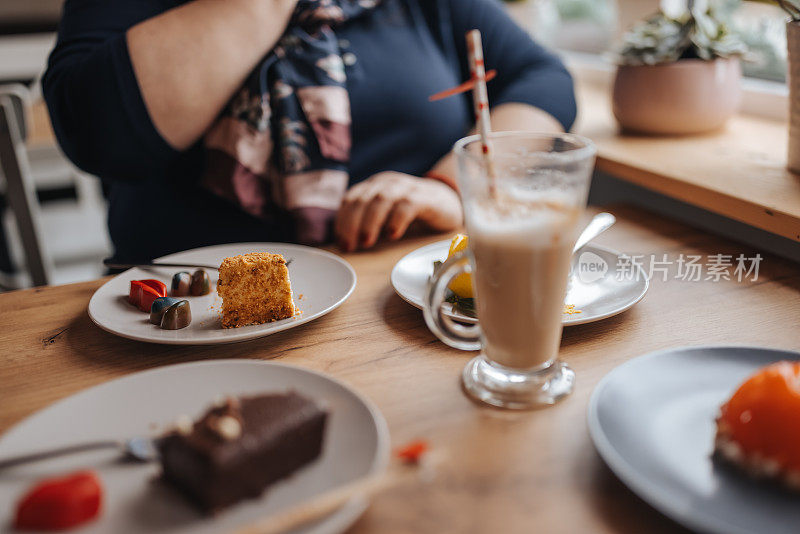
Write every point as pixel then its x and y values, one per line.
pixel 190 60
pixel 511 116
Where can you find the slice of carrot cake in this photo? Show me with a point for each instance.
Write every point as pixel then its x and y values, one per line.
pixel 255 289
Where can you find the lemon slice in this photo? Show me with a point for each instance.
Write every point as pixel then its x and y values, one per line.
pixel 461 285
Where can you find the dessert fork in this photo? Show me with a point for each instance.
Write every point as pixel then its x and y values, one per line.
pixel 108 262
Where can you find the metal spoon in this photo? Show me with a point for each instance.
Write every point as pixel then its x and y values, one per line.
pixel 599 224
pixel 138 449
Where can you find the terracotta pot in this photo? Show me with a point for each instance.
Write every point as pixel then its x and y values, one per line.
pixel 685 97
pixel 793 42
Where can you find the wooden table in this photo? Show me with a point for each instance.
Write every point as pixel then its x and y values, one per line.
pixel 505 471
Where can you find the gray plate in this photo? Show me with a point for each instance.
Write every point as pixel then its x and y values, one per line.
pixel 652 421
pixel 597 299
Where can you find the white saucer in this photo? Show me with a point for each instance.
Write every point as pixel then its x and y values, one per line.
pixel 143 404
pixel 596 299
pixel 321 282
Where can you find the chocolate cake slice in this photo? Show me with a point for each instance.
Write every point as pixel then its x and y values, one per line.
pixel 241 446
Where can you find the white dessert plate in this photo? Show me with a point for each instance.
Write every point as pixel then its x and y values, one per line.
pixel 597 297
pixel 321 282
pixel 356 444
pixel 652 419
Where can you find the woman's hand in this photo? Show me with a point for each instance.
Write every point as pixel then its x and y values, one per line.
pixel 390 202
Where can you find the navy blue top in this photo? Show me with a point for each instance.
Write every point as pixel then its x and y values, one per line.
pixel 405 51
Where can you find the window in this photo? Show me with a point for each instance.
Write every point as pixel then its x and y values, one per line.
pixel 596 27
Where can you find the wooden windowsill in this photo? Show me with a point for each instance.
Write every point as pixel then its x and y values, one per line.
pixel 739 172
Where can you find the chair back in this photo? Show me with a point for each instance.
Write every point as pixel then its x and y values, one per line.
pixel 20 191
pixel 19 97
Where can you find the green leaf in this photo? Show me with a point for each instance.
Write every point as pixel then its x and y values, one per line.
pixel 661 39
pixel 464 306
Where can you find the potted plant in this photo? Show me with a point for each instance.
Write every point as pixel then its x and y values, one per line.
pixel 678 72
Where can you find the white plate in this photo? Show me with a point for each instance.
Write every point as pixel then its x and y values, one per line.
pixel 597 299
pixel 356 443
pixel 652 421
pixel 321 282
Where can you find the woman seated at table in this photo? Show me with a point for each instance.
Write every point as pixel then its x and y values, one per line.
pixel 217 121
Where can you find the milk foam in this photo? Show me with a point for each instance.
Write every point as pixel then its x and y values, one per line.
pixel 528 223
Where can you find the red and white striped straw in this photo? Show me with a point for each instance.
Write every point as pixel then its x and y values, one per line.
pixel 480 99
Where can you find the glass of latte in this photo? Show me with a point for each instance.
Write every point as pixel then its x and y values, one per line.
pixel 523 209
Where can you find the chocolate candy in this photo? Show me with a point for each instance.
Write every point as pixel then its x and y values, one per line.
pixel 201 285
pixel 181 284
pixel 177 316
pixel 144 292
pixel 158 308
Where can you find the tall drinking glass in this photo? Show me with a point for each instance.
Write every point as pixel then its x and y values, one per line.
pixel 522 226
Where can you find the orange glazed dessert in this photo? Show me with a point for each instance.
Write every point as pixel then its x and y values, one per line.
pixel 255 289
pixel 758 429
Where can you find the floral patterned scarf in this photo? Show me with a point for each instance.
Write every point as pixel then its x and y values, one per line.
pixel 282 144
